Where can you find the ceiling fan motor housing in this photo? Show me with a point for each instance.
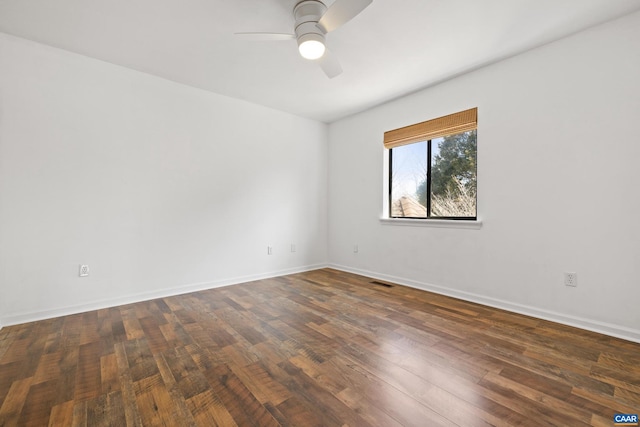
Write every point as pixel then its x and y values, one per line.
pixel 307 14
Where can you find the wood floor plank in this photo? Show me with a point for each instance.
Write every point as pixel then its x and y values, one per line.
pixel 320 348
pixel 106 410
pixel 261 384
pixel 89 332
pixel 79 414
pixel 61 415
pixel 533 404
pixel 48 368
pixel 190 381
pixel 154 402
pixel 298 413
pixel 208 410
pixel 88 381
pixel 39 401
pixel 238 399
pixel 553 404
pixel 609 402
pixel 182 412
pixel 153 334
pixel 14 401
pixel 625 396
pixel 615 377
pixel 131 412
pixel 109 373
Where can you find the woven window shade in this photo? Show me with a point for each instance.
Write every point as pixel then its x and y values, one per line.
pixel 431 129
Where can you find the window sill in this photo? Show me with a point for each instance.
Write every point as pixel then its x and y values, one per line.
pixel 437 223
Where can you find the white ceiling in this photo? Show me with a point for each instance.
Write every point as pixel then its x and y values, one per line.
pixel 392 48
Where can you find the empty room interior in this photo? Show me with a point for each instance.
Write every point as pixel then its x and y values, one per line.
pixel 305 213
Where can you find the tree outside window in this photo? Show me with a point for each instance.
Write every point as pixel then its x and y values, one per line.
pixel 436 178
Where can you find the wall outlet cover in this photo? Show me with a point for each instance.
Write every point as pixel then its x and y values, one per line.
pixel 84 270
pixel 571 279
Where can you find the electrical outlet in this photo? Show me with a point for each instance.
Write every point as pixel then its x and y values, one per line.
pixel 269 250
pixel 84 270
pixel 355 249
pixel 293 247
pixel 571 279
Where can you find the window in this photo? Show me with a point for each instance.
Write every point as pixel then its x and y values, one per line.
pixel 432 168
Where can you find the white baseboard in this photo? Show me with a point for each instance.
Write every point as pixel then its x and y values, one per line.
pixel 578 322
pixel 145 296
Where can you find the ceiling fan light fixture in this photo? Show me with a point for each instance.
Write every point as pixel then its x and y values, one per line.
pixel 313 20
pixel 311 46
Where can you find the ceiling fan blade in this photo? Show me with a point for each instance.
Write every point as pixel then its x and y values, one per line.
pixel 266 36
pixel 341 12
pixel 330 64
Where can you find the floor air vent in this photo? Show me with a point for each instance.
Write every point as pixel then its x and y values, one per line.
pixel 386 285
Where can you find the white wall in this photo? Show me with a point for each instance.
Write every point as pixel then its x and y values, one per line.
pixel 158 187
pixel 558 153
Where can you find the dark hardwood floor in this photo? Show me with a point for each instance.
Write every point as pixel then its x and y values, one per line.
pixel 323 348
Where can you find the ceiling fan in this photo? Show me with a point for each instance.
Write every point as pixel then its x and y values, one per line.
pixel 313 20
